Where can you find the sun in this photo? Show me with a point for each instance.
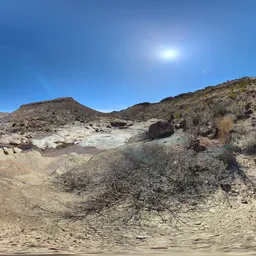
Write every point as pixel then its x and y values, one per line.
pixel 168 54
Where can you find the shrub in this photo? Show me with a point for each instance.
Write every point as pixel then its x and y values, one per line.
pixel 178 115
pixel 232 95
pixel 149 178
pixel 224 125
pixel 249 143
pixel 244 140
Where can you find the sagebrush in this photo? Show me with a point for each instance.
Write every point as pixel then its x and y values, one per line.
pixel 149 178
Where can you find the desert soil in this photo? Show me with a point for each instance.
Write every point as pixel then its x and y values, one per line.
pixel 33 212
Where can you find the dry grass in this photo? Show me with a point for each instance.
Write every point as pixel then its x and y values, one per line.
pixel 224 125
pixel 147 178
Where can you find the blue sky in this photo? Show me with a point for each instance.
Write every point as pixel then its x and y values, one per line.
pixel 109 54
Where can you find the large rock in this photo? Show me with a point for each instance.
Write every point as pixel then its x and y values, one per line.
pixel 15 142
pixel 161 129
pixel 118 123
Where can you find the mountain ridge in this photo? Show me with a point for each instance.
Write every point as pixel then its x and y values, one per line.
pixel 61 111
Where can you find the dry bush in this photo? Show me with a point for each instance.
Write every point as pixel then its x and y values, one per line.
pixel 224 125
pixel 244 140
pixel 221 108
pixel 201 116
pixel 148 178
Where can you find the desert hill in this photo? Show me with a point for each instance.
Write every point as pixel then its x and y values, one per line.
pixel 240 91
pixel 52 113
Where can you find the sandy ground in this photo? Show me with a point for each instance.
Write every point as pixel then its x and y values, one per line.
pixel 32 219
pixel 33 212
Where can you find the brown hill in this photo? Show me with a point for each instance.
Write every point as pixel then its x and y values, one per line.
pixel 235 93
pixel 45 115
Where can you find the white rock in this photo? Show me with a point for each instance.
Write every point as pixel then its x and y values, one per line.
pixel 8 151
pixel 2 152
pixel 4 141
pixel 16 150
pixel 24 141
pixel 48 142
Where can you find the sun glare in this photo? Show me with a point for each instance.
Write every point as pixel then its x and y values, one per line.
pixel 168 54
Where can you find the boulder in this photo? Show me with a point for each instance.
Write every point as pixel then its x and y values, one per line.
pixel 161 129
pixel 209 132
pixel 118 123
pixel 15 142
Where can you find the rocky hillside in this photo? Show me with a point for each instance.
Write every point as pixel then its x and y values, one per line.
pixel 239 93
pixel 236 97
pixel 45 115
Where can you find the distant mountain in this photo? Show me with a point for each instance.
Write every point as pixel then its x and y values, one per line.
pixel 45 115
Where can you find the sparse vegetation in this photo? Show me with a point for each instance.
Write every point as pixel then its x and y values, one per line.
pixel 244 139
pixel 232 95
pixel 224 125
pixel 149 178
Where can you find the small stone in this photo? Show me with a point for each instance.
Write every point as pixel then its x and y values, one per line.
pixel 141 237
pixel 16 150
pixel 159 248
pixel 212 210
pixel 7 151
